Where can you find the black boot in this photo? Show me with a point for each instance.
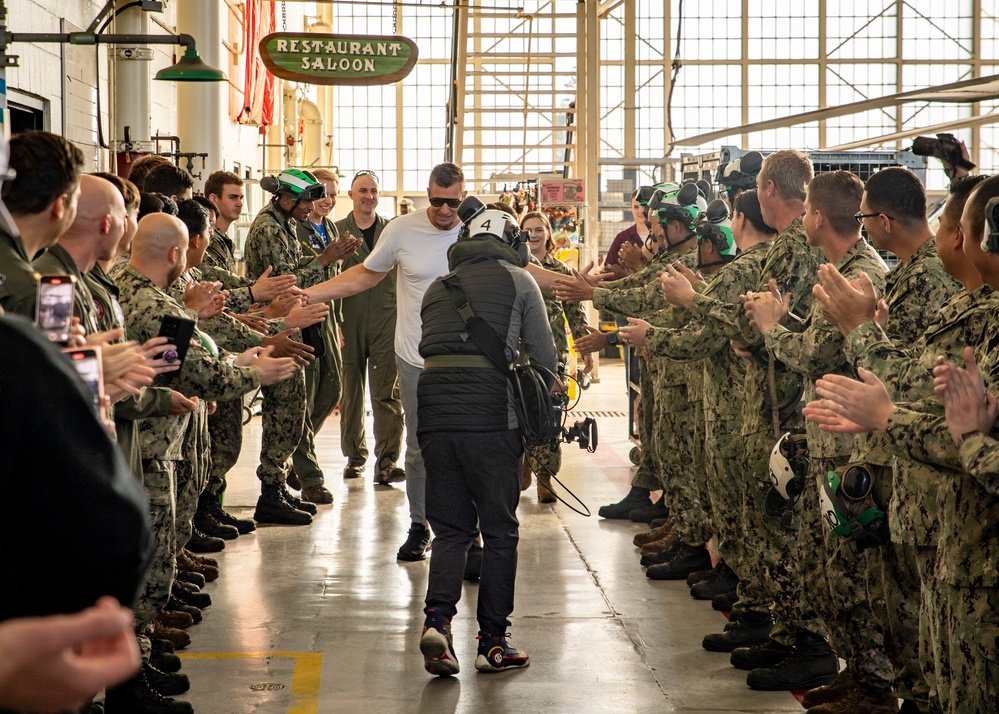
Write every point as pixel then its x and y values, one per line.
pixel 636 498
pixel 167 684
pixel 811 664
pixel 206 522
pixel 725 602
pixel 298 503
pixel 273 508
pixel 722 580
pixel 136 697
pixel 688 558
pixel 647 514
pixel 177 605
pixel 763 655
pixel 201 543
pixel 189 576
pixel 243 525
pixel 750 629
pixel 165 661
pixel 190 595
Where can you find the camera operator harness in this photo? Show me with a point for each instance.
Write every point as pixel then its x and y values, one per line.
pixel 541 414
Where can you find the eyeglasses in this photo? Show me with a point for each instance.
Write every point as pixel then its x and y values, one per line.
pixel 359 174
pixel 438 201
pixel 861 216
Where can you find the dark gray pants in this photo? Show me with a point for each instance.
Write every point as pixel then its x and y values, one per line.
pixel 473 483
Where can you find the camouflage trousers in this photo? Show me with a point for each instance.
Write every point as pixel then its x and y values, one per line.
pixel 835 583
pixel 966 624
pixel 192 473
pixel 161 486
pixel 681 456
pixel 544 462
pixel 322 392
pixel 729 493
pixel 225 430
pixel 647 475
pixel 282 417
pixel 386 404
pixel 895 592
pixel 934 645
pixel 776 547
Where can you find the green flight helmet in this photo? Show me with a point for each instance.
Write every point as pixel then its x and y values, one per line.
pixel 715 224
pixel 683 204
pixel 300 184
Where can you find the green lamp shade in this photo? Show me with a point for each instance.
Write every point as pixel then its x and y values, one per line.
pixel 190 68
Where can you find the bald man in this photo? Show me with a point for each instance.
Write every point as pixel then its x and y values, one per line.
pixel 159 256
pixel 94 235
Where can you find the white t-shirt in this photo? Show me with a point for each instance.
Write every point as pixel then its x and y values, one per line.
pixel 418 249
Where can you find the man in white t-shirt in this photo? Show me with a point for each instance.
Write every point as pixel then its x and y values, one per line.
pixel 416 244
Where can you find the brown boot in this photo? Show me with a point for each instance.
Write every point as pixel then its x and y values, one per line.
pixel 545 495
pixel 859 700
pixel 660 545
pixel 317 494
pixel 186 561
pixel 525 474
pixel 178 638
pixel 830 692
pixel 198 558
pixel 175 619
pixel 653 535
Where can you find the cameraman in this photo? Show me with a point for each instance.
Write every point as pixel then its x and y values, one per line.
pixel 469 434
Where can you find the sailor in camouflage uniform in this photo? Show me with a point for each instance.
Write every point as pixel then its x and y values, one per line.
pixel 832 582
pixel 158 258
pixel 769 412
pixel 883 622
pixel 273 242
pixel 729 495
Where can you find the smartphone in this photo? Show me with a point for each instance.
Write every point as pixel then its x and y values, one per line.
pixel 87 363
pixel 54 306
pixel 178 331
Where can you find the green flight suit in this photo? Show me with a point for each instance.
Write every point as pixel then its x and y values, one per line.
pixel 368 329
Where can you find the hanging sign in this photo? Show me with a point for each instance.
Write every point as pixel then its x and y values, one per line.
pixel 562 191
pixel 316 58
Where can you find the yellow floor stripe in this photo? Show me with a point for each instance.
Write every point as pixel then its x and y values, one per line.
pixel 305 677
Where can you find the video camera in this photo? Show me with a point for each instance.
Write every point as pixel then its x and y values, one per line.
pixel 945 147
pixel 585 432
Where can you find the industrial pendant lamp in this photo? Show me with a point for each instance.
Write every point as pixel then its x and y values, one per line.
pixel 190 68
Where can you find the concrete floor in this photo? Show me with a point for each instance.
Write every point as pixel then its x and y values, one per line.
pixel 318 619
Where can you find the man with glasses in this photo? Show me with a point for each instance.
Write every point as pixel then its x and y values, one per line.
pixel 418 244
pixel 368 329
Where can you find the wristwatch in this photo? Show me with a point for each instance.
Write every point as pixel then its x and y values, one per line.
pixel 612 337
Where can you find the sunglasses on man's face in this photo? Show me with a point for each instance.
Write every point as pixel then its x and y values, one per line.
pixel 438 201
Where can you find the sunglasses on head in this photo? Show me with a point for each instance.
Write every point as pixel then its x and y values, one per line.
pixel 437 202
pixel 359 174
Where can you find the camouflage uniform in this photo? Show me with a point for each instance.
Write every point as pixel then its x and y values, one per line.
pixel 162 438
pixel 830 578
pixel 283 407
pixel 152 401
pixel 277 241
pixel 889 635
pixel 543 461
pixel 955 619
pixel 369 351
pixel 698 342
pixel 793 265
pixel 677 438
pixel 647 474
pixel 917 472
